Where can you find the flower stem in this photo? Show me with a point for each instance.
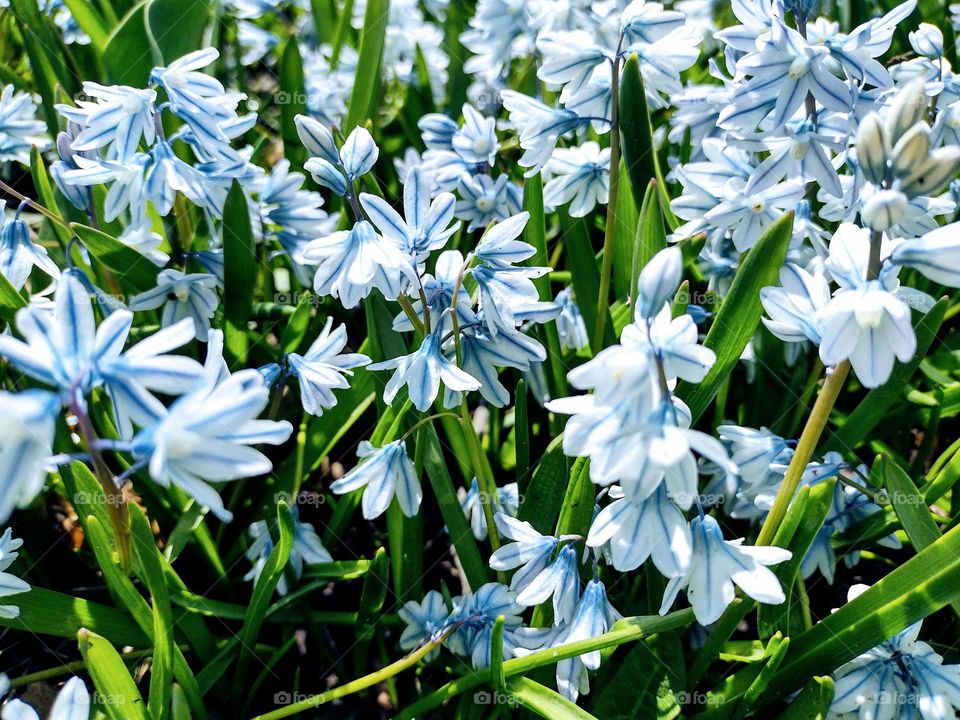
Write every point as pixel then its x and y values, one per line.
pixel 606 270
pixel 815 423
pixel 359 684
pixel 804 451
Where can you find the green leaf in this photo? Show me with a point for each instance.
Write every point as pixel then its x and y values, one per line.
pixel 545 702
pixel 47 612
pixel 650 237
pixel 299 323
pixel 543 497
pixel 111 678
pixel 239 275
pixel 41 32
pixel 873 408
pixel 122 260
pixel 642 683
pixel 130 54
pixel 292 102
pixel 910 506
pixel 41 181
pixel 10 300
pixel 161 673
pixel 372 596
pixel 535 234
pixel 584 273
pixel 367 79
pixel 813 702
pixel 578 501
pixel 775 653
pixel 177 27
pixel 638 147
pixel 262 593
pixel 461 535
pixel 919 587
pixel 90 21
pixel 623 237
pixel 738 317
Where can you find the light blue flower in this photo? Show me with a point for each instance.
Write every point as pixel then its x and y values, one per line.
pixel 936 255
pixel 26 443
pixel 386 472
pixel 323 368
pixel 475 142
pixel 475 616
pixel 317 139
pixel 570 324
pixel 422 371
pixel 630 531
pixel 71 703
pixel 717 565
pixel 127 182
pixel 483 200
pixel 427 224
pixel 579 176
pixel 65 350
pixel 203 439
pixel 794 308
pixel 594 616
pixel 19 128
pixel 425 621
pixel 506 500
pixel 19 254
pixel 351 263
pixel 119 118
pixel 539 127
pixel 191 295
pixel 10 584
pixel 483 354
pixel 439 288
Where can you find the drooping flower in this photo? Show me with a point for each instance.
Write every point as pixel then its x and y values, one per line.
pixel 386 472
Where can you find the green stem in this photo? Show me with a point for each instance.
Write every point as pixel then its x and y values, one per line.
pixel 484 475
pixel 805 448
pixel 359 684
pixel 609 232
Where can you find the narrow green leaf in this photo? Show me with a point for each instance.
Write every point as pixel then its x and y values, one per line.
pixel 584 273
pixel 161 672
pixel 262 593
pixel 636 130
pixel 543 497
pixel 47 612
pixel 873 408
pixel 45 194
pixel 90 21
pixel 299 323
pixel 497 679
pixel 776 651
pixel 578 501
pixel 910 506
pixel 919 587
pixel 127 264
pixel 367 79
pixel 544 702
pixel 10 301
pixel 535 233
pixel 461 535
pixel 737 320
pixel 111 678
pixel 372 596
pixel 650 237
pixel 239 275
pixel 623 237
pixel 130 54
pixel 292 100
pixel 40 29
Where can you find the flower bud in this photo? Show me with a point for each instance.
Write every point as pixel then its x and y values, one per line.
pixel 927 40
pixel 930 175
pixel 907 109
pixel 658 282
pixel 883 209
pixel 317 139
pixel 911 150
pixel 872 148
